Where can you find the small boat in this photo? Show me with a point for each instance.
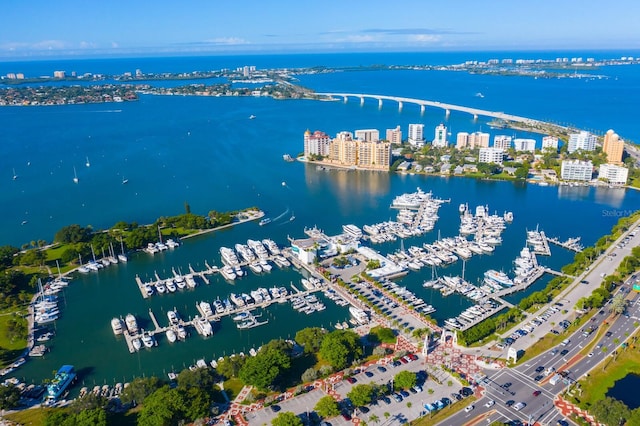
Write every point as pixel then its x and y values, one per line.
pixel 147 339
pixel 265 221
pixel 251 117
pixel 292 218
pixel 182 333
pixel 137 344
pixel 15 176
pixel 88 164
pixel 125 181
pixel 171 335
pixel 75 176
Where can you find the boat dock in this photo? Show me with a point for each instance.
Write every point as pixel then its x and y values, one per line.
pixel 530 279
pixel 158 329
pixel 572 244
pixel 501 305
pixel 201 274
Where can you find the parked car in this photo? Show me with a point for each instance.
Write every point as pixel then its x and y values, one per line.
pixel 468 408
pixel 540 368
pixel 368 373
pixel 352 380
pixel 381 369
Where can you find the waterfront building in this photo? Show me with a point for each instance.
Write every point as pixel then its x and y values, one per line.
pixel 394 135
pixel 462 140
pixel 576 170
pixel 416 135
pixel 59 74
pixel 521 144
pixel 440 137
pixel 478 140
pixel 613 146
pixel 368 135
pixel 550 142
pixel 316 143
pixel 502 142
pixel 613 174
pixel 344 150
pixel 584 141
pixel 491 155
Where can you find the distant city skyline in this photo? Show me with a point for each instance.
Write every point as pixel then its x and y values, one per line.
pixel 74 28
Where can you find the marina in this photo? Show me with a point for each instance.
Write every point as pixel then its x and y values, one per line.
pixel 325 198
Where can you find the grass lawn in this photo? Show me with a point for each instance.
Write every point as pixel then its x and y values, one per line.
pixel 11 348
pixel 447 411
pixel 233 387
pixel 33 416
pixel 604 376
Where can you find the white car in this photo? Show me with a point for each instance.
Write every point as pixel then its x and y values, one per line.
pixel 469 408
pixel 489 403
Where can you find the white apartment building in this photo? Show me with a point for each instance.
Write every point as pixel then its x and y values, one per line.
pixel 583 140
pixel 394 135
pixel 549 142
pixel 316 143
pixel 613 173
pixel 416 135
pixel 440 137
pixel 502 142
pixel 521 144
pixel 576 170
pixel 491 155
pixel 368 135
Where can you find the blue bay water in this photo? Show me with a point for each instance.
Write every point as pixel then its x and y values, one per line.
pixel 208 153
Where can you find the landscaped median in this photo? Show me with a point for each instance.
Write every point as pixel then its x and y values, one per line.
pixel 433 419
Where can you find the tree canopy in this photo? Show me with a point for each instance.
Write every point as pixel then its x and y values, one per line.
pixel 311 338
pixel 361 394
pixel 327 407
pixel 286 418
pixel 340 347
pixel 262 370
pixel 404 380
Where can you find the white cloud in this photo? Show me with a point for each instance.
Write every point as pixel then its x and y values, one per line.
pixel 227 40
pixel 424 38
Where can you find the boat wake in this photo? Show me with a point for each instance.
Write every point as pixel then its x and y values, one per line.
pixel 286 212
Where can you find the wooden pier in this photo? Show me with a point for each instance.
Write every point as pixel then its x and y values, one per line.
pixel 539 271
pixel 572 244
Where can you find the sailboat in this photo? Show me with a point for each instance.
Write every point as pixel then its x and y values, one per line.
pixel 122 256
pixel 88 164
pixel 292 218
pixel 75 175
pixel 15 176
pixel 124 181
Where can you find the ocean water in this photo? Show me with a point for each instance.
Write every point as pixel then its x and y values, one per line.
pixel 208 153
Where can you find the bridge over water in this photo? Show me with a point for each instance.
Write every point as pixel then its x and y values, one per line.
pixel 426 103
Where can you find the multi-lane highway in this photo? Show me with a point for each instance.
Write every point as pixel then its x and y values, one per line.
pixel 526 392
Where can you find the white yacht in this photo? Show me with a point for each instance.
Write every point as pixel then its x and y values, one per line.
pixel 202 326
pixel 137 344
pixel 147 340
pixel 132 324
pixel 116 325
pixel 171 335
pixel 173 317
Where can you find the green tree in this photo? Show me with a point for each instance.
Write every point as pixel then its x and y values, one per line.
pixel 286 418
pixel 9 397
pixel 340 347
pixel 17 328
pixel 310 338
pixel 93 417
pixel 6 255
pixel 361 394
pixel 327 407
pixel 404 380
pixel 199 378
pixel 230 366
pixel 618 303
pixel 73 234
pixel 610 411
pixel 164 407
pixel 374 419
pixel 309 375
pixel 263 369
pixel 139 389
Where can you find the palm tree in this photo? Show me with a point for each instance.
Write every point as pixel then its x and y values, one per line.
pixel 374 419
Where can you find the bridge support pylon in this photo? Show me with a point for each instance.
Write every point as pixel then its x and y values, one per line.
pixel 361 100
pixel 422 109
pixel 447 113
pixel 399 106
pixel 475 117
pixel 379 103
pixel 345 98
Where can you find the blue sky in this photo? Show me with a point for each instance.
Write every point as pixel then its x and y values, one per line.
pixel 73 27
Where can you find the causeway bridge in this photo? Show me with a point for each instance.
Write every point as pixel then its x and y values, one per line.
pixel 423 104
